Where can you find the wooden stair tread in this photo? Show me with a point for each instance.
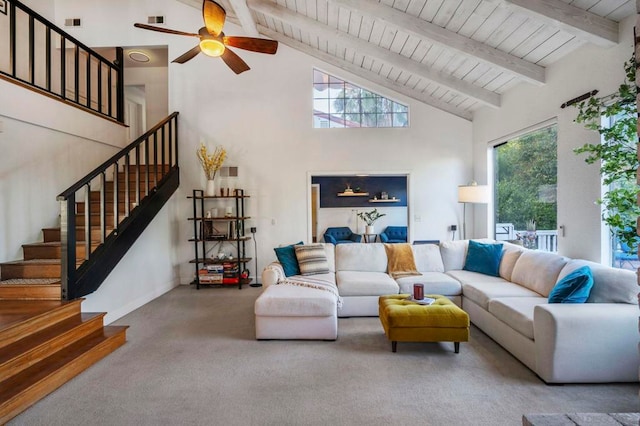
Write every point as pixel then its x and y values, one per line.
pixel 33 261
pixel 31 281
pixel 35 347
pixel 25 388
pixel 20 317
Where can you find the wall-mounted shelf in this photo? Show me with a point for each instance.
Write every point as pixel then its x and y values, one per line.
pixel 393 200
pixel 353 194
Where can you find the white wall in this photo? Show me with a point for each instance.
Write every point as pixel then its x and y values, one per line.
pixel 263 117
pixel 46 147
pixel 578 183
pixel 155 81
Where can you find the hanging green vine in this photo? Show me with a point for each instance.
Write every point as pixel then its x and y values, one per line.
pixel 617 154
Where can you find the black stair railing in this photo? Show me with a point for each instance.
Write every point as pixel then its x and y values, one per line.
pixel 44 57
pixel 103 213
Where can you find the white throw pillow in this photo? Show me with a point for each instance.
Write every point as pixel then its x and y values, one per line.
pixel 312 259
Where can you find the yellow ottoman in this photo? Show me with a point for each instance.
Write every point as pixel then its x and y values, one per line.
pixel 407 321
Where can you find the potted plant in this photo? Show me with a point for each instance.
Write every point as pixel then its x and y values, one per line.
pixel 369 218
pixel 616 154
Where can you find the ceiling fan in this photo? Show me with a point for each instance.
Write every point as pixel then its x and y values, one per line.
pixel 214 43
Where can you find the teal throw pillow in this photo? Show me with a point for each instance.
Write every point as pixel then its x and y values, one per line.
pixel 574 288
pixel 287 257
pixel 483 258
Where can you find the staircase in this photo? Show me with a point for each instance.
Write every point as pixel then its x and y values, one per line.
pixel 44 341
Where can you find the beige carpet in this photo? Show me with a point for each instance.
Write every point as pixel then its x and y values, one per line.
pixel 191 359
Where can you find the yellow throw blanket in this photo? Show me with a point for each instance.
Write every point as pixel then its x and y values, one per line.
pixel 400 261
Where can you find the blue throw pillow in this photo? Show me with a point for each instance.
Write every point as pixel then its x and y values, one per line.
pixel 287 257
pixel 574 288
pixel 483 258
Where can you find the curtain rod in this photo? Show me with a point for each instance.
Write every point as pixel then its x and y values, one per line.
pixel 579 99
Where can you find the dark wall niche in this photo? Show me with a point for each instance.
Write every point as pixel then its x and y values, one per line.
pixel 331 186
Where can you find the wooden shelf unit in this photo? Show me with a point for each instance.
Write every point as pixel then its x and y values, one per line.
pixel 237 238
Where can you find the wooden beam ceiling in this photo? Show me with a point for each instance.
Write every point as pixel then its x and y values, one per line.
pixel 420 28
pixel 244 16
pixel 346 40
pixel 579 22
pixel 366 74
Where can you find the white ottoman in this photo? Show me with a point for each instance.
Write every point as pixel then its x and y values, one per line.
pixel 292 312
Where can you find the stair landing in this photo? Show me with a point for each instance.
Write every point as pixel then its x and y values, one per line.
pixel 43 344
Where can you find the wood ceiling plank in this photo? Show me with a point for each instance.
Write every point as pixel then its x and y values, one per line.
pixel 550 45
pixel 243 14
pixel 355 24
pixel 445 13
pixel 533 41
pixel 628 9
pixel 562 51
pixel 526 70
pixel 383 55
pixel 567 17
pixel 399 41
pixel 401 5
pixel 498 82
pixel 461 16
pixel 415 7
pixel 506 30
pixel 430 9
pixel 365 28
pixel 312 9
pixel 604 8
pixel 323 12
pixel 477 18
pixel 410 46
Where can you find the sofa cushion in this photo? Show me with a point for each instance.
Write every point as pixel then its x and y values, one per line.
pixel 312 259
pixel 284 300
pixel 510 255
pixel 454 253
pixel 482 288
pixel 358 283
pixel 610 285
pixel 427 257
pixel 538 270
pixel 516 312
pixel 287 257
pixel 361 257
pixel 483 258
pixel 434 283
pixel 573 288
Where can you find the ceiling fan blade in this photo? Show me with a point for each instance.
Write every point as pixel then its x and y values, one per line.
pixel 260 45
pixel 164 30
pixel 234 61
pixel 188 55
pixel 214 16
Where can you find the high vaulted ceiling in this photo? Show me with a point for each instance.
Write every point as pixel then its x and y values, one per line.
pixel 456 55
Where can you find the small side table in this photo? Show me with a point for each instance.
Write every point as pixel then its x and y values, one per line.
pixel 370 238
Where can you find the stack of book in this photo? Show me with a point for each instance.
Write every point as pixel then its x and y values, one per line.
pixel 211 274
pixel 231 273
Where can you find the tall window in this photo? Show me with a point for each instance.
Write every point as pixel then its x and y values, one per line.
pixel 525 179
pixel 338 103
pixel 624 187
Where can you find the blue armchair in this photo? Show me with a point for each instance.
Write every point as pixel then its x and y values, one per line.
pixel 394 234
pixel 340 235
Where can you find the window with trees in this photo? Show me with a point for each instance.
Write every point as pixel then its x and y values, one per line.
pixel 525 181
pixel 338 103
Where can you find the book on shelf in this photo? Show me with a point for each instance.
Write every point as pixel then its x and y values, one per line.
pixel 234 280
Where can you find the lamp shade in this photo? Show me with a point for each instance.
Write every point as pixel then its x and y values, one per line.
pixel 473 194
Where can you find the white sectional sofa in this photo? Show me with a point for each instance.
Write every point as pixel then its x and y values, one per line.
pixel 591 342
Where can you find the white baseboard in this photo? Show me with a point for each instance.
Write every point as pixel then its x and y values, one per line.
pixel 141 301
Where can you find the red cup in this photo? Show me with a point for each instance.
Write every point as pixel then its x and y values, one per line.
pixel 418 291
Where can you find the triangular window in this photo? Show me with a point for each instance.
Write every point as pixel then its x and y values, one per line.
pixel 338 103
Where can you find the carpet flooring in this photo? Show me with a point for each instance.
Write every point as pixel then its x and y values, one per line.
pixel 192 359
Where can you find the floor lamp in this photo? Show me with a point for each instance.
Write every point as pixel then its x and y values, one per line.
pixel 471 194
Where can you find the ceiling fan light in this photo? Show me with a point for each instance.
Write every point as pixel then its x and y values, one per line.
pixel 212 47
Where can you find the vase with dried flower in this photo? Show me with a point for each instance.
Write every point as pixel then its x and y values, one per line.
pixel 211 163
